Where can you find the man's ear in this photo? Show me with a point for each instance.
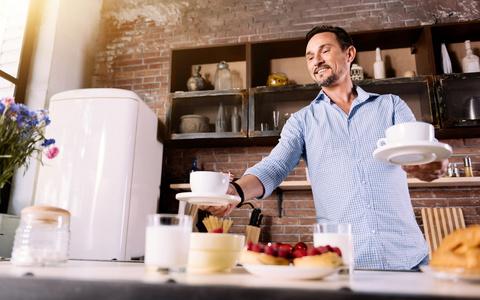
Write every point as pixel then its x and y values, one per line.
pixel 351 53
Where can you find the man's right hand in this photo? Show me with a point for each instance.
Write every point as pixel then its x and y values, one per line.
pixel 219 211
pixel 251 186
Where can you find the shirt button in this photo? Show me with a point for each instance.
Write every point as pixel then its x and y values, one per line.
pixel 364 182
pixel 368 206
pixel 349 121
pixel 373 231
pixel 353 140
pixel 359 160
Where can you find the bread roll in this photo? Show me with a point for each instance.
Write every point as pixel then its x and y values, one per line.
pixel 326 260
pixel 254 258
pixel 460 249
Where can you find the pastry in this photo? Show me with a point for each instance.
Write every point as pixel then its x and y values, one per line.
pixel 460 249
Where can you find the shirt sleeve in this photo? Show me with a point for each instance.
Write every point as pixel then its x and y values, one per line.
pixel 286 155
pixel 402 112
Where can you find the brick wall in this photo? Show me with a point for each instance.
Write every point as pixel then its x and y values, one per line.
pixel 134 54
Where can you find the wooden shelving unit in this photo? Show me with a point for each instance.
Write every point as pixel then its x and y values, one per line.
pixel 404 49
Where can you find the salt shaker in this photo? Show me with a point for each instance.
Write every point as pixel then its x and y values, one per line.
pixel 42 238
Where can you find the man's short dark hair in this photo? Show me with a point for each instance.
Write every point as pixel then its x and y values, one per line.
pixel 343 38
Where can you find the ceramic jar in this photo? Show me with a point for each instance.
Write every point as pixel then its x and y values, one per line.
pixel 356 72
pixel 193 123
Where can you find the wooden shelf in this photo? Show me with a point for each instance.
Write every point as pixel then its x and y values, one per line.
pixel 412 182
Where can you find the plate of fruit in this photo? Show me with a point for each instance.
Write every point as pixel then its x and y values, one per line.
pixel 277 260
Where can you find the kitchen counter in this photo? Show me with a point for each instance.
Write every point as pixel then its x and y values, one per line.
pixel 129 280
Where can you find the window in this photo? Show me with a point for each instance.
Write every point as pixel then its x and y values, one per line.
pixel 16 26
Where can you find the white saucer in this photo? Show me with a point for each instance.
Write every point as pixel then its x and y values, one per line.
pixel 416 153
pixel 208 199
pixel 290 272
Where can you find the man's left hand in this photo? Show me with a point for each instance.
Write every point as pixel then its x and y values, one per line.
pixel 427 172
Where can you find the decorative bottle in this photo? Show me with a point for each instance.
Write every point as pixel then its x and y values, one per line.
pixel 470 63
pixel 196 82
pixel 379 65
pixel 235 120
pixel 446 63
pixel 221 123
pixel 223 77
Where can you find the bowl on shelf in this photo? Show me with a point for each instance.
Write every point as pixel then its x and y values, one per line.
pixel 213 252
pixel 193 124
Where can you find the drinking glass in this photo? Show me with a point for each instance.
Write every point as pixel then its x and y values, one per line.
pixel 276 119
pixel 167 242
pixel 336 235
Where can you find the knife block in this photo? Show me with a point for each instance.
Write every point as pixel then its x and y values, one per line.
pixel 252 233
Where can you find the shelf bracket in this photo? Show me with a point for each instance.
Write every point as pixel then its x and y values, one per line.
pixel 279 201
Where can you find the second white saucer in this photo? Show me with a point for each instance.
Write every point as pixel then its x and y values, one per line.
pixel 208 199
pixel 412 154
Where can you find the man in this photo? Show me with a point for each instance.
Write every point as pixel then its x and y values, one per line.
pixel 336 135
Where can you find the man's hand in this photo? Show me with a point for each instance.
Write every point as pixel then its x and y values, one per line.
pixel 221 211
pixel 427 172
pixel 251 186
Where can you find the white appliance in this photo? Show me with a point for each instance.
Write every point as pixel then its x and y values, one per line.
pixel 8 226
pixel 108 171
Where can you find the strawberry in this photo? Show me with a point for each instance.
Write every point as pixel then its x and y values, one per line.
pixel 269 250
pixel 300 245
pixel 275 246
pixel 258 247
pixel 322 249
pixel 337 250
pixel 249 246
pixel 299 253
pixel 217 230
pixel 285 251
pixel 312 251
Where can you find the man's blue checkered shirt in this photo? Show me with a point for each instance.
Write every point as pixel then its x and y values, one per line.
pixel 348 185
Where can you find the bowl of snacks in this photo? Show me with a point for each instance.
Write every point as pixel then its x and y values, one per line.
pixel 216 250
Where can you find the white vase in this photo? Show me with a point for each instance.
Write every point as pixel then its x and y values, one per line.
pixel 379 65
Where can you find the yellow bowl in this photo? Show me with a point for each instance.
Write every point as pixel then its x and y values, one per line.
pixel 212 252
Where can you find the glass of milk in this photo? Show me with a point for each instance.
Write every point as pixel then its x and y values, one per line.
pixel 167 242
pixel 336 235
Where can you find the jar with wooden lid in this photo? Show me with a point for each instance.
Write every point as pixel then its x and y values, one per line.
pixel 42 238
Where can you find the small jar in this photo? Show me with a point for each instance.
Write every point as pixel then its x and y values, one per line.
pixel 223 77
pixel 42 238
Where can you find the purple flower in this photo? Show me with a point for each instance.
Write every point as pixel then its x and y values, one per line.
pixel 48 142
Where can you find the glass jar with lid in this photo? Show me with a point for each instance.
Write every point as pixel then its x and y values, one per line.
pixel 223 77
pixel 42 238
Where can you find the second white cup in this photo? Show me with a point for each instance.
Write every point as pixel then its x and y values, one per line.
pixel 406 133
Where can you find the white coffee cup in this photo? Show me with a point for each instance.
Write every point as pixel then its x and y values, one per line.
pixel 209 182
pixel 408 133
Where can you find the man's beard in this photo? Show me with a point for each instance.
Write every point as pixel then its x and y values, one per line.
pixel 328 81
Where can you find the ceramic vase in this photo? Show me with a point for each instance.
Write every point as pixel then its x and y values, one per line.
pixel 196 82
